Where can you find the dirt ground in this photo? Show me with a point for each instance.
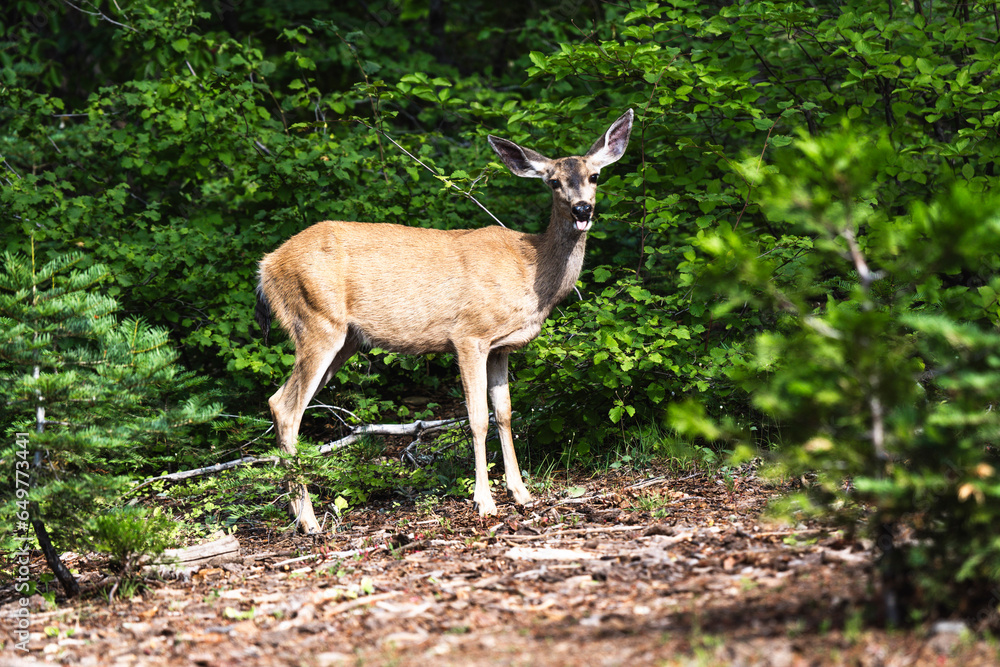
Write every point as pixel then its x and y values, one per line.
pixel 629 569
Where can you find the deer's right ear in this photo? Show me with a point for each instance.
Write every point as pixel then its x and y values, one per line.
pixel 522 161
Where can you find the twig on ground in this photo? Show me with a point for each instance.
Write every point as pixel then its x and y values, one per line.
pixel 418 544
pixel 573 531
pixel 207 470
pixel 330 554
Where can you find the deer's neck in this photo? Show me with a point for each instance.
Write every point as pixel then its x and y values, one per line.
pixel 560 259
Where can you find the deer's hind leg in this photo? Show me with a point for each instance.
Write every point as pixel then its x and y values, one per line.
pixel 317 358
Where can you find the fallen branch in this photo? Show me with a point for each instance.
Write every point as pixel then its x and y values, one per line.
pixel 267 554
pixel 415 428
pixel 329 555
pixel 582 499
pixel 207 470
pixel 299 559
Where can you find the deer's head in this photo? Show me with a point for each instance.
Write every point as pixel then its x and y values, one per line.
pixel 573 180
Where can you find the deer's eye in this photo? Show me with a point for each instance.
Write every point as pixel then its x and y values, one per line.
pixel 555 184
pixel 593 178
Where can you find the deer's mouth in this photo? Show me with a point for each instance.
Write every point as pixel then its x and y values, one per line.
pixel 584 225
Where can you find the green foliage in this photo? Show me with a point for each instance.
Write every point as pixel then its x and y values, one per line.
pixel 722 282
pixel 92 393
pixel 883 365
pixel 132 536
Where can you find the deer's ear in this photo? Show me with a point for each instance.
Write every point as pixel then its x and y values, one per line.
pixel 610 147
pixel 522 161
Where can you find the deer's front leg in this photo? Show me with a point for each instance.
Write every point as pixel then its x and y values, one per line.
pixel 500 397
pixel 472 363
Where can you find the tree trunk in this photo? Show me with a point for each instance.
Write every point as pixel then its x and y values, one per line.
pixel 64 576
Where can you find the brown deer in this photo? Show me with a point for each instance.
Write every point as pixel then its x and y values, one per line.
pixel 480 293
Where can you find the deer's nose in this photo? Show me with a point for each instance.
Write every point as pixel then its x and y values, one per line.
pixel 582 210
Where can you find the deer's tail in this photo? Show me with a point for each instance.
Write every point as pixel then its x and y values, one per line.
pixel 262 312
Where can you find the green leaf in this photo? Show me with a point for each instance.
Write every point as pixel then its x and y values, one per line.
pixel 601 274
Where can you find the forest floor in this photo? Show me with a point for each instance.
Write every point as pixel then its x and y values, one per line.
pixel 650 568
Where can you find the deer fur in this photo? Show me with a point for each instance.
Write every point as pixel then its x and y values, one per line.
pixel 336 287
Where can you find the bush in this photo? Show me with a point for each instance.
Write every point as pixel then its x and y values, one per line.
pixel 88 391
pixel 134 537
pixel 883 369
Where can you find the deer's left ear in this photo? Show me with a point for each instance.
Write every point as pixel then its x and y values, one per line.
pixel 610 147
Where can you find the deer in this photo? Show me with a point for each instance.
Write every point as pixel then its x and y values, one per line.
pixel 338 286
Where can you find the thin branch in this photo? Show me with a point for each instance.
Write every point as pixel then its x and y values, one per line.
pixel 207 470
pixel 433 171
pixel 334 410
pixel 102 15
pixel 861 266
pixel 750 184
pixel 414 428
pixel 867 277
pixel 878 428
pixel 7 164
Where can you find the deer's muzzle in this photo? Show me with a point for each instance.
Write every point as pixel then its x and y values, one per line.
pixel 581 214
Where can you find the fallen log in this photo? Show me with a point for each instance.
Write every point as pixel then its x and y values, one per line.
pixel 184 561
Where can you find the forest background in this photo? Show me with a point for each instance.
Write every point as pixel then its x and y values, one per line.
pixel 796 259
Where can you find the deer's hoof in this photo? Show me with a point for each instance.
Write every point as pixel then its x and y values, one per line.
pixel 520 495
pixel 485 507
pixel 309 528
